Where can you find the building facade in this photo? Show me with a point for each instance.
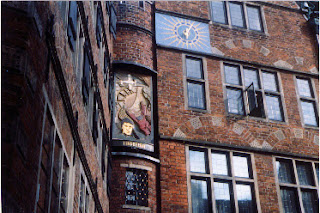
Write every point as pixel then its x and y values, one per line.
pixel 160 106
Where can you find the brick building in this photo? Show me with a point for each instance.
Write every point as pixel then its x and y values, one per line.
pixel 165 106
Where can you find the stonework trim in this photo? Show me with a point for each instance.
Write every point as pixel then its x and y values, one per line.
pixel 135 166
pixel 136 207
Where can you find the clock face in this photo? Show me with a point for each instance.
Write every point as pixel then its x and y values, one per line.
pixel 182 33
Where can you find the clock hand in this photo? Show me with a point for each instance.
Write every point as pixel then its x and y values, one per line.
pixel 186 32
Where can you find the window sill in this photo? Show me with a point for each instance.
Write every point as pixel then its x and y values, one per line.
pixel 198 110
pixel 262 33
pixel 237 116
pixel 136 207
pixel 311 127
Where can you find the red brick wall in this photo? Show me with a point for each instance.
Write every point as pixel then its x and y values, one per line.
pixel 173 177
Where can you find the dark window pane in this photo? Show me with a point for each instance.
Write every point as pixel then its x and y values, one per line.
pixel 196 97
pixel 82 196
pixel 220 164
pixel 244 195
pixel 241 166
pixel 274 108
pixel 310 201
pixel 235 104
pixel 194 68
pixel 305 175
pixel 236 14
pixel 222 196
pixel 232 75
pixel 218 12
pixel 308 112
pixel 137 187
pixel 304 87
pixel 285 171
pixel 270 81
pixel 199 193
pixel 254 18
pixel 317 169
pixel 197 161
pixel 251 76
pixel 289 201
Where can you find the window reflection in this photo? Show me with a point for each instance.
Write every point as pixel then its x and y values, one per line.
pixel 244 196
pixel 284 170
pixel 219 164
pixel 199 195
pixel 222 196
pixel 241 168
pixel 197 161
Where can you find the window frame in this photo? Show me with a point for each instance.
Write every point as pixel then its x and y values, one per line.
pixel 313 99
pixel 231 178
pixel 296 185
pixel 63 158
pixel 261 89
pixel 246 27
pixel 87 191
pixel 203 81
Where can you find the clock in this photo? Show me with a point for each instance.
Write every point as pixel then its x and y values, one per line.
pixel 182 33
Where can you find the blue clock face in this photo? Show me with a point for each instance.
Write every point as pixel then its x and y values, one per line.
pixel 182 33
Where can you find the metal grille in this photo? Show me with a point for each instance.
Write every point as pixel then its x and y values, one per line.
pixel 137 187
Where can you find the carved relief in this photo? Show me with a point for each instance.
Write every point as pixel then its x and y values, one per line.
pixel 133 107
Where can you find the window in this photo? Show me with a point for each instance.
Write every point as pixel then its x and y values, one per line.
pixel 137 187
pixel 99 27
pixel 54 172
pixel 95 118
pixel 298 185
pixel 231 176
pixel 195 83
pixel 237 14
pixel 84 197
pixel 307 102
pixel 141 4
pixel 106 69
pixel 72 24
pixel 86 80
pixel 113 20
pixel 254 92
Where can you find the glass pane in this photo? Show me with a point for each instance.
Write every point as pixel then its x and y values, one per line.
pixel 304 87
pixel 199 193
pixel 222 196
pixel 251 76
pixel 274 108
pixel 236 14
pixel 310 201
pixel 254 18
pixel 305 175
pixel 218 12
pixel 194 68
pixel 219 164
pixel 285 171
pixel 232 75
pixel 197 161
pixel 196 97
pixel 244 195
pixel 241 166
pixel 289 201
pixel 317 170
pixel 308 112
pixel 269 81
pixel 235 104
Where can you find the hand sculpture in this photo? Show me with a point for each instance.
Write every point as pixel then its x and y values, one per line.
pixel 143 124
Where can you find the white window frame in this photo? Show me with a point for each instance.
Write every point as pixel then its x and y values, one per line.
pixel 245 16
pixel 296 185
pixel 242 87
pixel 313 99
pixel 64 156
pixel 204 81
pixel 210 176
